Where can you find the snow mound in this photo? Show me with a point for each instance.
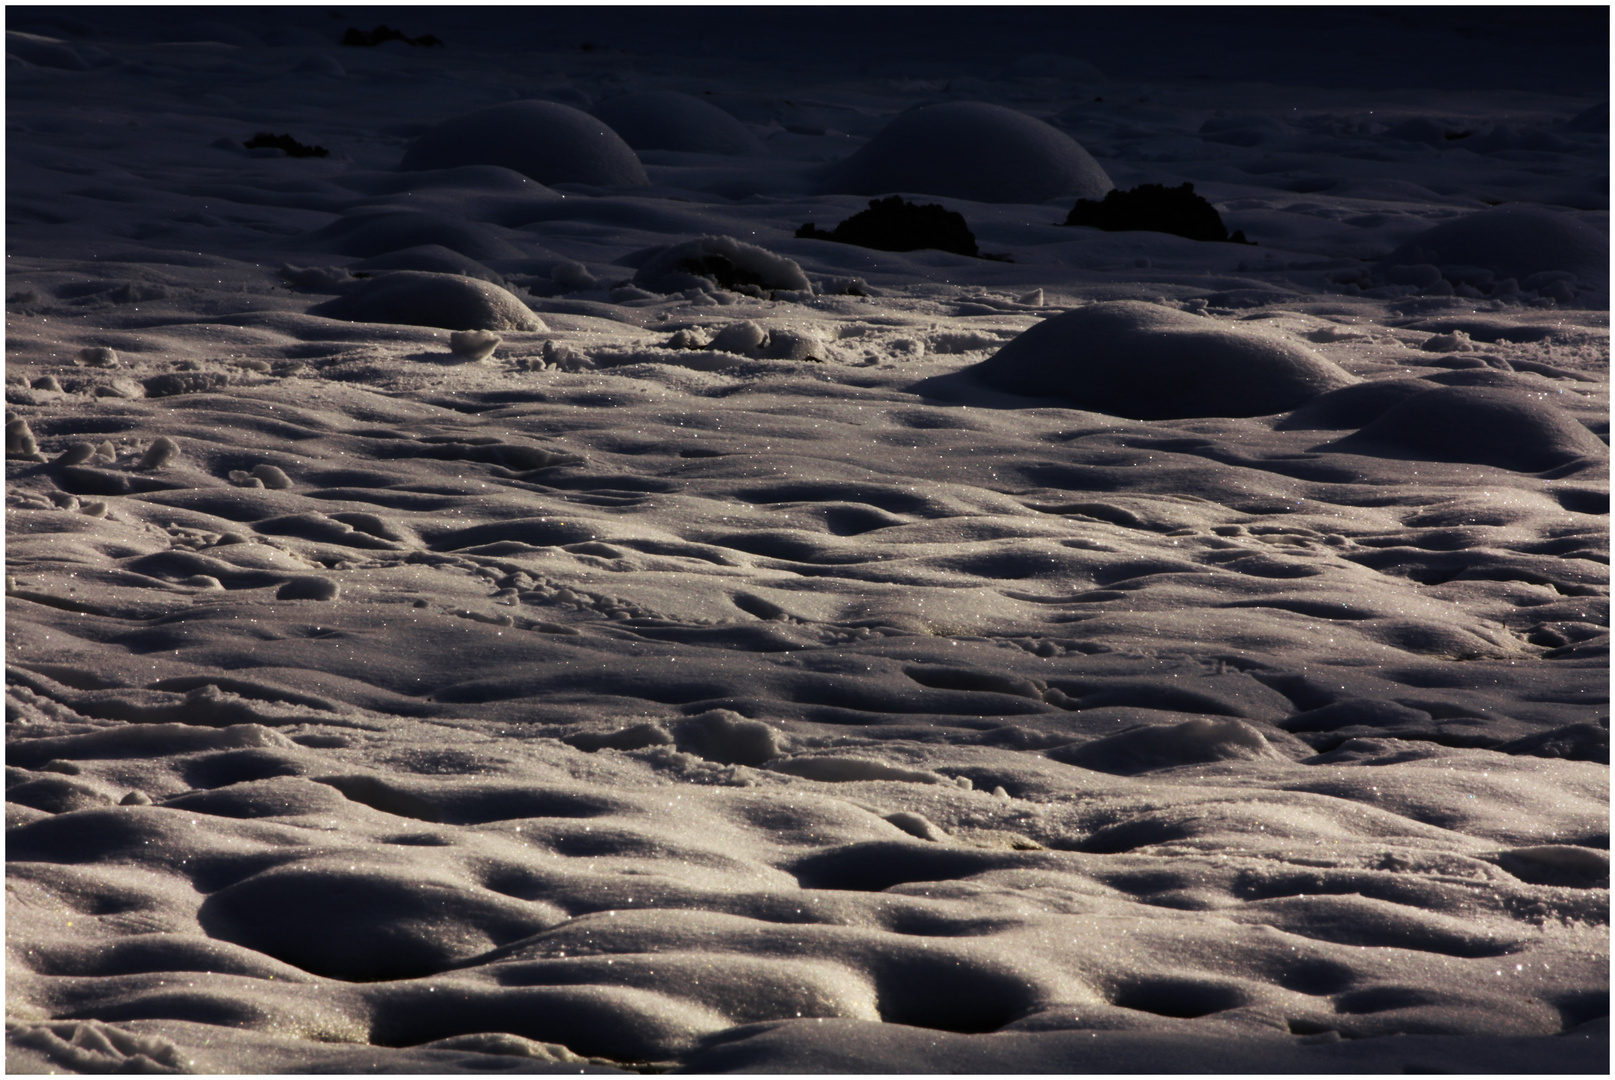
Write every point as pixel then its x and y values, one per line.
pixel 550 142
pixel 418 298
pixel 432 258
pixel 467 179
pixel 710 262
pixel 1147 362
pixel 729 738
pixel 1539 249
pixel 971 150
pixel 1193 742
pixel 1352 406
pixel 1478 425
pixel 368 922
pixel 371 232
pixel 667 120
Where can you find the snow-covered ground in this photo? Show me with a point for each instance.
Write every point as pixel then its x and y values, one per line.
pixel 491 596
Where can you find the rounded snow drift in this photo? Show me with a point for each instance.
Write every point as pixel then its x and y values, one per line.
pixel 1479 426
pixel 1352 406
pixel 1512 242
pixel 417 298
pixel 366 924
pixel 971 150
pixel 432 258
pixel 667 120
pixel 550 142
pixel 377 231
pixel 1147 362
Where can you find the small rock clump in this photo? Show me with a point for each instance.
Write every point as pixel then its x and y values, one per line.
pixel 354 37
pixel 1155 208
pixel 293 148
pixel 894 224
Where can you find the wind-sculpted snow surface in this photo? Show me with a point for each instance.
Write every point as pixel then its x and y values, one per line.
pixel 456 625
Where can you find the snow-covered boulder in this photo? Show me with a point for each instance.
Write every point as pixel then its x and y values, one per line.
pixel 971 150
pixel 550 142
pixel 417 298
pixel 1543 251
pixel 1482 425
pixel 1148 362
pixel 668 120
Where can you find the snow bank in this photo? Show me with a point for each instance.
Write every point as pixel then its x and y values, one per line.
pixel 1149 362
pixel 667 120
pixel 552 143
pixel 417 298
pixel 971 150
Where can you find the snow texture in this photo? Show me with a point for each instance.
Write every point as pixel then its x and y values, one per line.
pixel 534 612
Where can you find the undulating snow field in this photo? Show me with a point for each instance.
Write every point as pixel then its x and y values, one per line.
pixel 489 597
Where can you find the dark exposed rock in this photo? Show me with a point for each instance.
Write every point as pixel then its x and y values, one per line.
pixel 1155 208
pixel 292 147
pixel 891 224
pixel 384 33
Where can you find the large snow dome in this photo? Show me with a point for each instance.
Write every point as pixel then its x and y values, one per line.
pixel 421 298
pixel 668 120
pixel 1484 425
pixel 1523 243
pixel 552 143
pixel 1148 362
pixel 971 150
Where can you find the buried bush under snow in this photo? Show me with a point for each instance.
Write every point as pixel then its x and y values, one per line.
pixel 895 224
pixel 721 262
pixel 1154 208
pixel 264 140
